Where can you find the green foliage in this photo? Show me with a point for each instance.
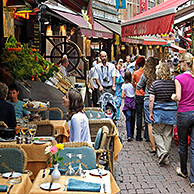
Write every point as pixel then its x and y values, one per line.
pixel 26 63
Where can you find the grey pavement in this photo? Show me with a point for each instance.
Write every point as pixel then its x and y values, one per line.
pixel 138 171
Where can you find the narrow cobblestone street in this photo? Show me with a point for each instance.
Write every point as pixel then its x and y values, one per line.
pixel 138 171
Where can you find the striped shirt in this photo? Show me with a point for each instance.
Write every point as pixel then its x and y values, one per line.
pixel 162 89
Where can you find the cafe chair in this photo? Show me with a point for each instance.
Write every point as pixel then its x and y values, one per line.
pixel 94 113
pixel 89 156
pixel 107 156
pixel 55 113
pixel 100 143
pixel 44 128
pixel 12 158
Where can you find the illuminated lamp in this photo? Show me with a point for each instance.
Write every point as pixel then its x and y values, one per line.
pixel 15 3
pixel 123 47
pixel 140 47
pixel 26 9
pixel 157 46
pixel 150 46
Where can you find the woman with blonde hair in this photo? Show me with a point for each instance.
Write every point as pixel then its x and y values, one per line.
pixel 162 111
pixel 79 128
pixel 185 116
pixel 145 82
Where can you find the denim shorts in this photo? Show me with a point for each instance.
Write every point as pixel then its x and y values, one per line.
pixel 146 112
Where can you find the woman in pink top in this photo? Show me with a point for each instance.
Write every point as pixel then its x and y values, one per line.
pixel 185 117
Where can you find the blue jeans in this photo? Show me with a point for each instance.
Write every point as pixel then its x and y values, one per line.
pixel 185 123
pixel 130 122
pixel 139 108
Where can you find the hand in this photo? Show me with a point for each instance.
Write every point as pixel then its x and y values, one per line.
pixel 114 88
pixel 92 87
pixel 151 116
pixel 101 88
pixel 174 97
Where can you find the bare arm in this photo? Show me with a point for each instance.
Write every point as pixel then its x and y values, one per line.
pixel 99 84
pixel 177 96
pixel 123 94
pixel 114 83
pixel 151 106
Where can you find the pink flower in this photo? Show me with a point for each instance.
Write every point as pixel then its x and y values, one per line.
pixel 54 149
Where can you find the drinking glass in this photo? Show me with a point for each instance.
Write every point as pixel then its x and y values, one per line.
pixel 24 129
pixel 32 129
pixel 14 180
pixel 70 170
pixel 79 171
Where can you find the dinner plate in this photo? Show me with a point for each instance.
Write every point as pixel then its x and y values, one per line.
pixel 46 186
pixel 40 141
pixel 14 175
pixel 95 172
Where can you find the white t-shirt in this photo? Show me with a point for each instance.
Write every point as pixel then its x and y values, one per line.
pixel 128 89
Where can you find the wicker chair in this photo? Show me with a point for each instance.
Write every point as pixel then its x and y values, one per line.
pixel 44 128
pixel 13 158
pixel 94 113
pixel 89 159
pixel 108 146
pixel 100 143
pixel 55 113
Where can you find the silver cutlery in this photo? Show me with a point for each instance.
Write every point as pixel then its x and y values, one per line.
pixel 104 187
pixel 50 185
pixel 9 189
pixel 11 174
pixel 44 172
pixel 99 172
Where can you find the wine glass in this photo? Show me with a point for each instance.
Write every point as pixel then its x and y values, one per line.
pixel 70 170
pixel 24 129
pixel 32 129
pixel 79 171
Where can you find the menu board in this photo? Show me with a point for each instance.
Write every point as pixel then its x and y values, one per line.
pixel 36 43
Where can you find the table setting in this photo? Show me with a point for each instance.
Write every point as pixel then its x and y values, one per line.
pixel 15 183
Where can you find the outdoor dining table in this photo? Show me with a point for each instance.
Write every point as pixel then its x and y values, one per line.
pixel 111 184
pixel 36 158
pixel 21 188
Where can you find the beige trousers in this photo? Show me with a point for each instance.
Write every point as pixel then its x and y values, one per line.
pixel 163 137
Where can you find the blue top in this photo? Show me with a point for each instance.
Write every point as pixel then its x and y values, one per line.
pixel 79 130
pixel 20 112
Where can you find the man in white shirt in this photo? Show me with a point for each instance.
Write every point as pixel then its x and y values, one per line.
pixel 128 61
pixel 94 85
pixel 64 64
pixel 105 75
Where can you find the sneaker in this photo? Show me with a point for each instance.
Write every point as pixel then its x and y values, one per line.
pixel 179 173
pixel 191 184
pixel 129 139
pixel 162 158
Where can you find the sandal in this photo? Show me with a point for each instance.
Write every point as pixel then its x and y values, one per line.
pixel 179 173
pixel 191 184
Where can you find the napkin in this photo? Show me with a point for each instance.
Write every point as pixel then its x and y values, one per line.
pixel 77 185
pixel 3 188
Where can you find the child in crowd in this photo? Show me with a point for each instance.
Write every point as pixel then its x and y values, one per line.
pixel 129 105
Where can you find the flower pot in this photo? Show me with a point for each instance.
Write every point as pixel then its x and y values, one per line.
pixel 56 173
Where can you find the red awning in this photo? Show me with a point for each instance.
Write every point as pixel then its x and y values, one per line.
pixel 177 48
pixel 99 30
pixel 157 20
pixel 154 41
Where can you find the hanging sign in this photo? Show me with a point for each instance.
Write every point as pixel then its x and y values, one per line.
pixel 121 4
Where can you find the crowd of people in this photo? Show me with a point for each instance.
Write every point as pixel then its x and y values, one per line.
pixel 151 92
pixel 157 92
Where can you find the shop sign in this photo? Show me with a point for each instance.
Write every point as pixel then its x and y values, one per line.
pixel 21 15
pixel 121 4
pixel 36 43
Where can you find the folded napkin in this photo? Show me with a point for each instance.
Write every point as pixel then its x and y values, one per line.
pixel 3 188
pixel 77 185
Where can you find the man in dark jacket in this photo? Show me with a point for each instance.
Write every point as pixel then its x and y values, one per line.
pixel 7 112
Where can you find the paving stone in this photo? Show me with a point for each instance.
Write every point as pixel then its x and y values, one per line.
pixel 138 171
